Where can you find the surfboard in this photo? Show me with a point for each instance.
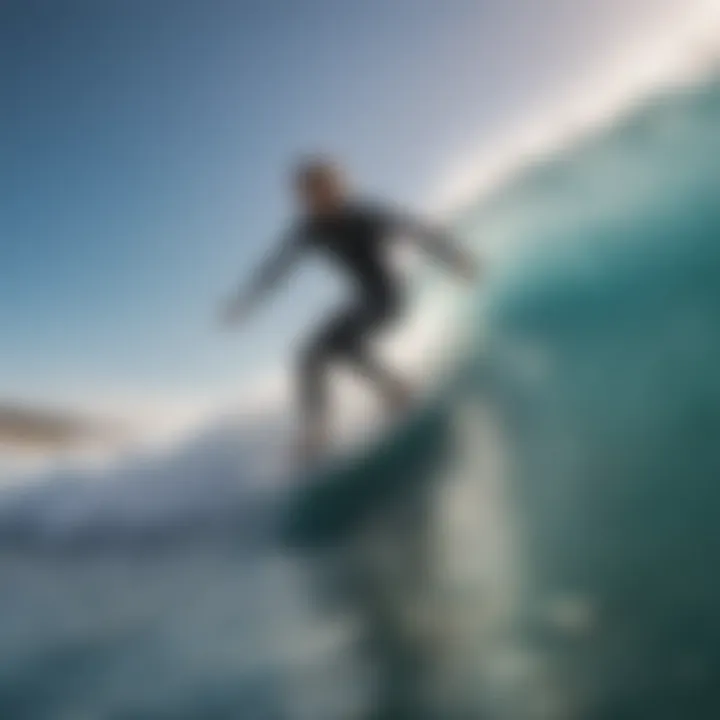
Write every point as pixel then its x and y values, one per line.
pixel 331 502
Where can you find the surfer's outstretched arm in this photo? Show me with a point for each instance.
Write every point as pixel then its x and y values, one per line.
pixel 276 267
pixel 440 244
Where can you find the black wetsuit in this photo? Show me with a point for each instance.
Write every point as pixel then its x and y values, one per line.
pixel 356 239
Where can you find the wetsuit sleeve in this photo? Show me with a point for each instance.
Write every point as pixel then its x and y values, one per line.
pixel 273 269
pixel 433 239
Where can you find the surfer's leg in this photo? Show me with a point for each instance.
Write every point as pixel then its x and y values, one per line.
pixel 367 320
pixel 313 400
pixel 345 337
pixel 395 391
pixel 323 349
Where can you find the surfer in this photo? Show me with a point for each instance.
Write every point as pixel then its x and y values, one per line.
pixel 355 234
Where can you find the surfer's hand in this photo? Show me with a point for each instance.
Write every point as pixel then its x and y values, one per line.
pixel 232 314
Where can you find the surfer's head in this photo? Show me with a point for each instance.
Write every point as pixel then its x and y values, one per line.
pixel 320 186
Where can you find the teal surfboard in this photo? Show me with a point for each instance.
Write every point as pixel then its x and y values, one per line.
pixel 332 502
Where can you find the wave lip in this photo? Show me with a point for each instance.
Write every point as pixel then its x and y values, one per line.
pixel 683 53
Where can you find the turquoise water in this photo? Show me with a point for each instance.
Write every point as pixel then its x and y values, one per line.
pixel 575 527
pixel 604 359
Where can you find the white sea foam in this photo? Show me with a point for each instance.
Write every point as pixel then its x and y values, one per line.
pixel 683 50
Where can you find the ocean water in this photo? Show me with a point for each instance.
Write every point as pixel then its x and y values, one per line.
pixel 540 541
pixel 604 361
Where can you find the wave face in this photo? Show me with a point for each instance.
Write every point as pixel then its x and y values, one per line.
pixel 605 357
pixel 575 524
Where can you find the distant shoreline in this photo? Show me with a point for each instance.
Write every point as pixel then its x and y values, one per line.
pixel 35 428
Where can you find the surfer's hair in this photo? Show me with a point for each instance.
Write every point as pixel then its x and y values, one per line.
pixel 310 171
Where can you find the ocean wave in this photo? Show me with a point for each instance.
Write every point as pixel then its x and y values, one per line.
pixel 208 486
pixel 682 53
pixel 642 180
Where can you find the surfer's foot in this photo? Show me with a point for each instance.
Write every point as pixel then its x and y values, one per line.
pixel 398 396
pixel 311 445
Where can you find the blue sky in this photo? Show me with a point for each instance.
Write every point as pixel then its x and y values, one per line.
pixel 144 145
